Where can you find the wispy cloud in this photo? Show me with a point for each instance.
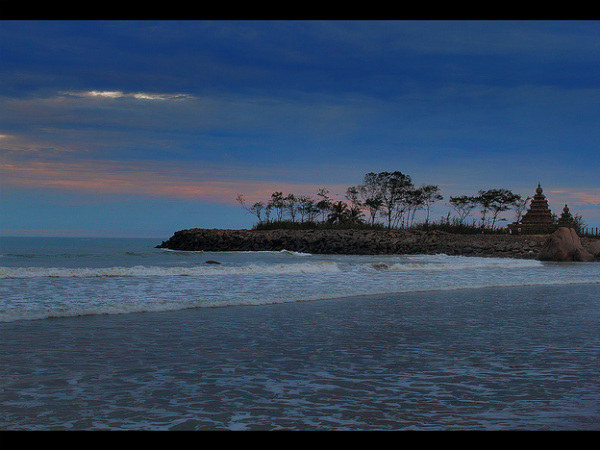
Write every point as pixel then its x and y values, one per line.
pixel 121 94
pixel 590 196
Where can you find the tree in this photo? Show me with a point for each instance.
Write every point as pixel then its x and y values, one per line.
pixel 291 205
pixel 520 207
pixel 370 192
pixel 256 209
pixel 463 205
pixel 394 187
pixel 306 208
pixel 277 203
pixel 268 209
pixel 496 201
pixel 323 205
pixel 355 216
pixel 578 224
pixel 241 200
pixel 415 202
pixel 352 195
pixel 484 199
pixel 341 214
pixel 429 195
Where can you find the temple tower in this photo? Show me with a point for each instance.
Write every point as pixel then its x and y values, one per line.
pixel 538 219
pixel 566 218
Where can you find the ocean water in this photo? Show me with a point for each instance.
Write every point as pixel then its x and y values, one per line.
pixel 116 334
pixel 48 278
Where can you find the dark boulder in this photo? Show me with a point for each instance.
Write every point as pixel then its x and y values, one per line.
pixel 594 248
pixel 564 245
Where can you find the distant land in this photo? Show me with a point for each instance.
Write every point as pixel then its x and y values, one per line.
pixel 367 242
pixel 351 241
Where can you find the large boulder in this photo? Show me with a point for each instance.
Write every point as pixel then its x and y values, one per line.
pixel 564 245
pixel 594 248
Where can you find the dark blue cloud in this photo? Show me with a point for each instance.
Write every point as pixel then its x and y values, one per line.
pixel 380 57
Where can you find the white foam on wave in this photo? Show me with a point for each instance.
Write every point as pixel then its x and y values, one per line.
pixel 457 264
pixel 191 252
pixel 156 271
pixel 161 306
pixel 316 266
pixel 289 252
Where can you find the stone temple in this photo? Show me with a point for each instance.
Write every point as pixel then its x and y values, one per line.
pixel 566 218
pixel 538 219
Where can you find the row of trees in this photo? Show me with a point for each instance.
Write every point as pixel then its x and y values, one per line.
pixel 492 202
pixel 387 199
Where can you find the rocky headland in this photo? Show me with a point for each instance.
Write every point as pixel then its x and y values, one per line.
pixel 367 242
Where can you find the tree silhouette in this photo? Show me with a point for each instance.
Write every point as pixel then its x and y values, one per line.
pixel 390 197
pixel 496 201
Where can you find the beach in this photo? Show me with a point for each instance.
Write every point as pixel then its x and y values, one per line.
pixel 486 359
pixel 119 335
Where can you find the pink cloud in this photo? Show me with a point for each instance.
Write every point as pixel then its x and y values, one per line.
pixel 170 180
pixel 590 196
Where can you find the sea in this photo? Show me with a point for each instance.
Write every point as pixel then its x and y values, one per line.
pixel 116 334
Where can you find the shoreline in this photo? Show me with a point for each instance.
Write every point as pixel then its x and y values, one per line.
pixel 357 242
pixel 390 362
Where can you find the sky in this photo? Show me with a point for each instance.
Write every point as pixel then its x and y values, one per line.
pixel 124 128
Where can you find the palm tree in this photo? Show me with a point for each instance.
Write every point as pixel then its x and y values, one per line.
pixel 339 213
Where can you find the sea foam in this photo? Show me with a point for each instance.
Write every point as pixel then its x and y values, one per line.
pixel 156 271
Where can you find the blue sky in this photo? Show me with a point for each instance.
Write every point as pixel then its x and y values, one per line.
pixel 142 128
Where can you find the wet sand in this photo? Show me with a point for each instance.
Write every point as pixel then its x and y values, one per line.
pixel 486 359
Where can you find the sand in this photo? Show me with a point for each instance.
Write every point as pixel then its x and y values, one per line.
pixel 486 359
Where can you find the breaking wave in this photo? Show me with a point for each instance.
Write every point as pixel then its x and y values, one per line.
pixel 155 271
pixel 439 264
pixel 458 264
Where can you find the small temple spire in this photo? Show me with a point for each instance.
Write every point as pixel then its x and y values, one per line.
pixel 566 219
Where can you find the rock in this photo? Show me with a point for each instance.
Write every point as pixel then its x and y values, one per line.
pixel 564 245
pixel 594 248
pixel 367 242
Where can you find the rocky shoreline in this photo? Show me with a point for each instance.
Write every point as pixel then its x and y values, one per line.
pixel 367 242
